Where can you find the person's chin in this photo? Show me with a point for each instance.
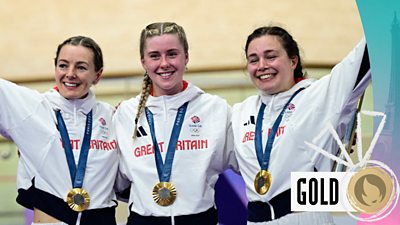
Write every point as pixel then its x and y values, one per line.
pixel 71 95
pixel 265 87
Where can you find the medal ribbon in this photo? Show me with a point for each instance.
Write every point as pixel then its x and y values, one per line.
pixel 77 173
pixel 263 158
pixel 164 169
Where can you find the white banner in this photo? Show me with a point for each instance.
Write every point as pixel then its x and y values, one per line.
pixel 320 191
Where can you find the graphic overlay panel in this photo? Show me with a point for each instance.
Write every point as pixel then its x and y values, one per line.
pixel 370 187
pixel 381 23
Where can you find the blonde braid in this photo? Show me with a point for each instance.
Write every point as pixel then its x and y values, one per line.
pixel 146 87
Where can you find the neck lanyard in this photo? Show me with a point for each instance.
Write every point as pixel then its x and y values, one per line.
pixel 164 169
pixel 77 173
pixel 263 158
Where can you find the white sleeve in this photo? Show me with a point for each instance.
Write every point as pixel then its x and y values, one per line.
pixel 338 87
pixel 17 104
pixel 224 158
pixel 346 84
pixel 25 119
pixel 229 153
pixel 122 184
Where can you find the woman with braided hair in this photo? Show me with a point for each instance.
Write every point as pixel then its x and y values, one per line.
pixel 175 139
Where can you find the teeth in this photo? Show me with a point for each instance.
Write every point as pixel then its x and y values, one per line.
pixel 71 85
pixel 265 76
pixel 166 74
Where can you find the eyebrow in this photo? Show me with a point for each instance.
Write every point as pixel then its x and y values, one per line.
pixel 168 51
pixel 79 62
pixel 252 55
pixel 265 52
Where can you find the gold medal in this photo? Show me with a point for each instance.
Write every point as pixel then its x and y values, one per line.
pixel 262 182
pixel 78 199
pixel 164 193
pixel 370 190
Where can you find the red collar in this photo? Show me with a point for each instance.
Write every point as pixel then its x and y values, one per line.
pixel 298 79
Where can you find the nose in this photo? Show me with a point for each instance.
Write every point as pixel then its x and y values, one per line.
pixel 262 65
pixel 164 62
pixel 70 73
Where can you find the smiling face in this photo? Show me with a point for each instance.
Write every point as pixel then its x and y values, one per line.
pixel 165 60
pixel 75 71
pixel 268 64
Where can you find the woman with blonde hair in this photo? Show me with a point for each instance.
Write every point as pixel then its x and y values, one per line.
pixel 182 138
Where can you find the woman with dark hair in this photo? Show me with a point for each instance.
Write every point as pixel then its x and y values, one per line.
pixel 270 128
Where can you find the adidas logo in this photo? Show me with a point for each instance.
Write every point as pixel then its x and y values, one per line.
pixel 250 121
pixel 140 132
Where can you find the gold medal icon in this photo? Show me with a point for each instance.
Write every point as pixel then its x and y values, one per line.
pixel 370 190
pixel 262 182
pixel 164 193
pixel 78 199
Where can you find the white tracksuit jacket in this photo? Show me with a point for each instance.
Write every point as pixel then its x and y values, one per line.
pixel 332 99
pixel 28 119
pixel 204 150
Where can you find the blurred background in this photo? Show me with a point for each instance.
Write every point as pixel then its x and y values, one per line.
pixel 216 30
